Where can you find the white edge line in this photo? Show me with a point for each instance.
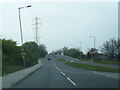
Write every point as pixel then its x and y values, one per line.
pixel 71 81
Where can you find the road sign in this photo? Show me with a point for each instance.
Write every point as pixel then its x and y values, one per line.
pixel 23 54
pixel 92 53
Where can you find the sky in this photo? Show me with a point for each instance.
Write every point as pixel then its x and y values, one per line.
pixel 63 23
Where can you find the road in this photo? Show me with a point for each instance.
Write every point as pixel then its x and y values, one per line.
pixel 55 74
pixel 88 62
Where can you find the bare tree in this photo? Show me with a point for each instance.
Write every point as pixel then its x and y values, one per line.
pixel 119 45
pixel 110 48
pixel 118 48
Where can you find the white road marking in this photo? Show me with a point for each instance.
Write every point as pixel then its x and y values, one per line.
pixel 54 64
pixel 71 81
pixel 57 67
pixel 63 73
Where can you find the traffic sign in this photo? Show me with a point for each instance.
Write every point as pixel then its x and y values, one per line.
pixel 23 54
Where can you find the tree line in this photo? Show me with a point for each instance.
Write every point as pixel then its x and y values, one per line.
pixel 109 50
pixel 11 53
pixel 72 52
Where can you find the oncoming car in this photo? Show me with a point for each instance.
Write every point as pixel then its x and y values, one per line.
pixel 49 59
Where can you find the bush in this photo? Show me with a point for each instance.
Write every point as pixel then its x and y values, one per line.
pixel 11 54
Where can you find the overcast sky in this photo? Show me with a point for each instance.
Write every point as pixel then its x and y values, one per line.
pixel 63 24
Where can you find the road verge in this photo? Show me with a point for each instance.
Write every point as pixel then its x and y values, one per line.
pixel 91 67
pixel 61 59
pixel 13 79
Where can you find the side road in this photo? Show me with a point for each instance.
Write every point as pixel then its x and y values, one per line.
pixel 12 79
pixel 88 62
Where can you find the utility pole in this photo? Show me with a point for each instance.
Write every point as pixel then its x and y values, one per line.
pixel 93 52
pixel 80 50
pixel 22 53
pixel 36 29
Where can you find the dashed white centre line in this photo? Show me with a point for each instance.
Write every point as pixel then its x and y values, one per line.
pixel 71 81
pixel 57 67
pixel 64 75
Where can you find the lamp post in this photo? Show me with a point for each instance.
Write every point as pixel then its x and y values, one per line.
pixel 21 31
pixel 80 43
pixel 93 48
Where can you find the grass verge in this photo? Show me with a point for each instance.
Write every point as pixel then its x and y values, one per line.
pixel 107 62
pixel 61 59
pixel 90 67
pixel 0 68
pixel 10 69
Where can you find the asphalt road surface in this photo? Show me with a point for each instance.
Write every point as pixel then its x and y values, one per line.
pixel 55 74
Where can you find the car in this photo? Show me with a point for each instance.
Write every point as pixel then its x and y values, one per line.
pixel 49 59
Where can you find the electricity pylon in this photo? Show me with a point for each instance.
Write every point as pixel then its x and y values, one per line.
pixel 36 29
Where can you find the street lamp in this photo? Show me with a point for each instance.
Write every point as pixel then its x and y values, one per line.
pixel 80 43
pixel 21 32
pixel 94 48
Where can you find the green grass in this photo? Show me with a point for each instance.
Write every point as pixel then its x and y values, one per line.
pixel 61 59
pixel 10 69
pixel 0 67
pixel 107 62
pixel 90 67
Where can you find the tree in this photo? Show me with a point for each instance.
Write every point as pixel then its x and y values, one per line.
pixel 65 50
pixel 92 52
pixel 111 48
pixel 33 52
pixel 72 52
pixel 118 49
pixel 10 52
pixel 30 49
pixel 42 51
